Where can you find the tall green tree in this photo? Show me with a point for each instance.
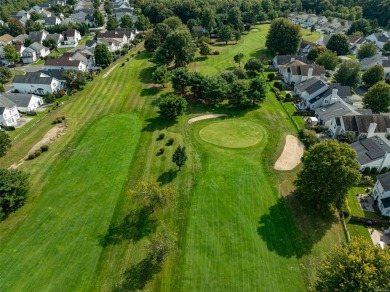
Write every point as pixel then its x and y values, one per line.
pixel 172 106
pixel 179 157
pixel 179 43
pixel 330 186
pixel 348 74
pixel 34 16
pixel 75 78
pixel 161 75
pixel 160 246
pixel 284 37
pixel 377 98
pixel 360 25
pixel 5 75
pixel 142 23
pixel 216 89
pixel 386 46
pixel 204 49
pixel 127 21
pixel 257 90
pixel 254 65
pixel 15 27
pixel 225 33
pixel 238 58
pixel 355 266
pixel 208 18
pixel 373 75
pixel 5 142
pixel 112 23
pixel 239 92
pixel 14 189
pixel 11 54
pixel 173 22
pixel 103 57
pixel 328 59
pixel 338 43
pixel 235 19
pixel 98 18
pixel 367 50
pixel 162 56
pixel 180 79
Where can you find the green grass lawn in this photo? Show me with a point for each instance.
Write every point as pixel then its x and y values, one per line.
pixel 307 35
pixel 234 230
pixel 39 62
pixel 59 52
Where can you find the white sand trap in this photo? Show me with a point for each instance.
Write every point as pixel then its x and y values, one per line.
pixel 291 155
pixel 109 71
pixel 49 138
pixel 205 117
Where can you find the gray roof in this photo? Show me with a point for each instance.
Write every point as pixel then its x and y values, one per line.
pixel 5 103
pixel 307 83
pixel 20 99
pixel 50 20
pixel 37 46
pixel 311 86
pixel 36 36
pixel 56 73
pixel 33 78
pixel 336 109
pixel 384 179
pixel 90 43
pixel 361 123
pixel 386 202
pixel 370 149
pixel 284 59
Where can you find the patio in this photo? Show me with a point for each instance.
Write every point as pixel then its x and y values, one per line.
pixel 379 237
pixel 366 202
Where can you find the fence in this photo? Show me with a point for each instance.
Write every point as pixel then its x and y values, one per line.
pixel 345 227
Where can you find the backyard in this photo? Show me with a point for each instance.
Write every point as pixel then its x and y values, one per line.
pixel 235 230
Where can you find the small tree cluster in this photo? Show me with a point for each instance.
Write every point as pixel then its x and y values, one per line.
pixel 172 106
pixel 5 142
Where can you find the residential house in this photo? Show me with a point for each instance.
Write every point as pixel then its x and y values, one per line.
pixel 296 72
pixel 51 21
pixel 198 30
pixel 305 47
pixel 65 62
pixel 6 39
pixel 36 82
pixel 355 42
pixel 71 37
pixel 9 114
pixel 361 125
pixel 19 48
pixel 284 59
pixel 112 44
pixel 20 38
pixel 57 37
pixel 386 66
pixel 78 17
pixel 372 152
pixel 25 102
pixel 120 36
pixel 28 56
pixel 40 50
pixel 381 193
pixel 367 63
pixel 90 44
pixel 323 40
pixel 57 74
pixel 379 38
pixel 38 36
pixel 85 56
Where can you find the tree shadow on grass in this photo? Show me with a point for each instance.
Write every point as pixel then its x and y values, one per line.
pixel 200 59
pixel 150 91
pixel 136 277
pixel 136 225
pixel 143 56
pixel 167 176
pixel 157 123
pixel 145 76
pixel 293 232
pixel 260 52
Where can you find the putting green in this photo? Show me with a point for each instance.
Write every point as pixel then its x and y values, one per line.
pixel 232 133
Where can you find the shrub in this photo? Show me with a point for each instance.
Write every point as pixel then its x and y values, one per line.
pixel 384 170
pixel 161 136
pixel 123 64
pixel 240 73
pixel 60 93
pixel 31 113
pixel 63 118
pixel 216 53
pixel 37 152
pixel 288 95
pixel 374 171
pixel 170 141
pixel 161 151
pixel 367 171
pixel 366 181
pixel 271 76
pixel 279 85
pixel 31 156
pixel 44 148
pixel 127 59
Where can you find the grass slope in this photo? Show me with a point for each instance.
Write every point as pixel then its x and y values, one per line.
pixel 57 245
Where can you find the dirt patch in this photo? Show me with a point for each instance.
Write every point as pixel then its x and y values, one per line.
pixel 291 155
pixel 205 117
pixel 109 71
pixel 255 29
pixel 49 138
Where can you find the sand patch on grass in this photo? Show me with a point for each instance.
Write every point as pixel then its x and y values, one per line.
pixel 291 155
pixel 205 117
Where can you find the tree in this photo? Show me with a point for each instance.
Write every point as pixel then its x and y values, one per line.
pixel 315 52
pixel 74 78
pixel 355 266
pixel 328 59
pixel 172 106
pixel 208 18
pixel 330 187
pixel 348 74
pixel 377 98
pixel 127 21
pixel 338 43
pixel 151 195
pixel 179 157
pixel 225 33
pixel 112 23
pixel 180 79
pixel 235 19
pixel 13 190
pixel 204 49
pixel 360 25
pixel 308 137
pixel 98 18
pixel 15 27
pixel 257 90
pixel 11 54
pixel 254 65
pixel 34 16
pixel 50 43
pixel 312 28
pixel 239 92
pixel 367 50
pixel 173 22
pixel 216 89
pixel 347 137
pixel 386 46
pixel 161 75
pixel 238 58
pixel 2 88
pixel 142 23
pixel 373 75
pixel 179 44
pixel 5 75
pixel 33 26
pixel 160 245
pixel 237 36
pixel 103 57
pixel 284 37
pixel 5 142
pixel 162 57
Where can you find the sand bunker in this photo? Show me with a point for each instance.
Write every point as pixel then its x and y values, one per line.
pixel 291 155
pixel 205 117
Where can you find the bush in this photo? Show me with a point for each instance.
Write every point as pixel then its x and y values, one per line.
pixel 127 59
pixel 384 170
pixel 31 156
pixel 31 113
pixel 161 151
pixel 57 120
pixel 367 171
pixel 123 64
pixel 216 53
pixel 366 181
pixel 161 136
pixel 170 141
pixel 240 73
pixel 288 95
pixel 346 210
pixel 271 76
pixel 37 152
pixel 279 85
pixel 45 148
pixel 374 171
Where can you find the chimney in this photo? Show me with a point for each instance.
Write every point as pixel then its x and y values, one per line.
pixel 371 130
pixel 292 59
pixel 334 92
pixel 310 73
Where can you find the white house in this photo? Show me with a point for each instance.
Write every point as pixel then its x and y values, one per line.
pixel 381 193
pixel 40 50
pixel 36 82
pixel 379 38
pixel 65 62
pixel 9 114
pixel 38 36
pixel 296 72
pixel 284 59
pixel 28 56
pixel 25 102
pixel 71 37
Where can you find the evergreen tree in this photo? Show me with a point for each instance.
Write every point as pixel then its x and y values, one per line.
pixel 179 156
